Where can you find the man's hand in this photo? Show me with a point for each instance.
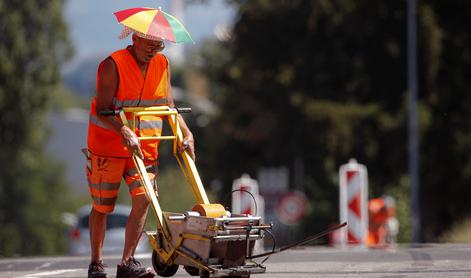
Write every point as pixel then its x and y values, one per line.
pixel 131 142
pixel 188 144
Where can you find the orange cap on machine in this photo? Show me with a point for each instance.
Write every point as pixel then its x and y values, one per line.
pixel 210 210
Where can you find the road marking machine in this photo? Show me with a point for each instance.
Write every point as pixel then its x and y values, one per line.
pixel 207 241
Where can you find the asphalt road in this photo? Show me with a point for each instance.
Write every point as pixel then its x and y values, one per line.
pixel 428 260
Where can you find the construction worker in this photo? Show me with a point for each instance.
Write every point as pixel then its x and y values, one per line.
pixel 383 225
pixel 377 216
pixel 138 75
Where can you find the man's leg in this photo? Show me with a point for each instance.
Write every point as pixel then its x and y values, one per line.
pixel 97 225
pixel 135 226
pixel 104 176
pixel 129 266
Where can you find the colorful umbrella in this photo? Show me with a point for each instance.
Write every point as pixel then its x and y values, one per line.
pixel 153 24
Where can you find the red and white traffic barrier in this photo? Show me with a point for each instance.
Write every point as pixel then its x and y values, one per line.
pixel 354 203
pixel 245 203
pixel 245 197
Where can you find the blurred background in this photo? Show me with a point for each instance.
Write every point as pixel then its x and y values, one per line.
pixel 284 91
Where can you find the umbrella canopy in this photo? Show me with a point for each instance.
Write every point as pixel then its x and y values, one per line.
pixel 153 24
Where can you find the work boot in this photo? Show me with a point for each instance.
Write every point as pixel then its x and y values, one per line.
pixel 132 269
pixel 97 270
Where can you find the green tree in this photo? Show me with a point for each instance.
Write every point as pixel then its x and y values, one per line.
pixel 446 145
pixel 33 43
pixel 318 82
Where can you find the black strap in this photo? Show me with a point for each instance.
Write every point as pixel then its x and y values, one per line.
pixel 304 241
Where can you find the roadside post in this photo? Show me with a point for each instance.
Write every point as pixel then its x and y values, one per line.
pixel 246 199
pixel 353 204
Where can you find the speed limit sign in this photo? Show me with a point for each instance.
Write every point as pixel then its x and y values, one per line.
pixel 291 207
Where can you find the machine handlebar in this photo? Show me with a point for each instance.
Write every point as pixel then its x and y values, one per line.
pixel 180 110
pixel 109 112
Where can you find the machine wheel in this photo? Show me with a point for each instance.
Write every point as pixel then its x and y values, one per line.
pixel 162 269
pixel 193 271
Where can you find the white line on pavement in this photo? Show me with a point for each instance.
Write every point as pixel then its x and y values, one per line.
pixel 44 265
pixel 50 273
pixel 143 256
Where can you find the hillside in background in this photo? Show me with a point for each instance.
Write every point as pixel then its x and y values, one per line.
pixel 81 79
pixel 94 33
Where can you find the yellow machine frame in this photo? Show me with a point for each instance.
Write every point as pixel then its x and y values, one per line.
pixel 169 249
pixel 187 166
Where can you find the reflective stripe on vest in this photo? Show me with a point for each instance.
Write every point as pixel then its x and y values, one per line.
pixel 149 125
pixel 139 103
pixel 141 124
pixel 96 121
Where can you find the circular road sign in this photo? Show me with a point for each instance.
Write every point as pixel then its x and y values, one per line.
pixel 291 207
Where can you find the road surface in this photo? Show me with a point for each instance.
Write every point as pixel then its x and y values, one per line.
pixel 428 260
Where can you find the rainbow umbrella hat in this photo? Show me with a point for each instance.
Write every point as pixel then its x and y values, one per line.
pixel 153 24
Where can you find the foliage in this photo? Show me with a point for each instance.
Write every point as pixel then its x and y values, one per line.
pixel 401 195
pixel 446 146
pixel 458 233
pixel 63 99
pixel 33 43
pixel 175 194
pixel 322 81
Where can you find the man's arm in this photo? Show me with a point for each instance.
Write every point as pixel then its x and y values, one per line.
pixel 107 86
pixel 188 143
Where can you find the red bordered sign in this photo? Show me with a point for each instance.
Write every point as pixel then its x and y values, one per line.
pixel 291 207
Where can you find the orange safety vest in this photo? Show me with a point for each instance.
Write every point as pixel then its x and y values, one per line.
pixel 133 90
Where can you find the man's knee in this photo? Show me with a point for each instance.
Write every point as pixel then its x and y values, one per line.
pixel 140 202
pixel 102 209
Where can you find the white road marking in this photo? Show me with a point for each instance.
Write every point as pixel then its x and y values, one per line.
pixel 143 256
pixel 44 265
pixel 50 273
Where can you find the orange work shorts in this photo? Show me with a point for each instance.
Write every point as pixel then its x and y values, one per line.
pixel 104 175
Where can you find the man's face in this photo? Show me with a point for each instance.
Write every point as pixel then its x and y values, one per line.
pixel 146 49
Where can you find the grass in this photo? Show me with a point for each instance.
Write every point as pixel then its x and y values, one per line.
pixel 175 194
pixel 459 233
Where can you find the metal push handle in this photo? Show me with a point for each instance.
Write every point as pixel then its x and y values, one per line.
pixel 115 112
pixel 183 110
pixel 109 112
